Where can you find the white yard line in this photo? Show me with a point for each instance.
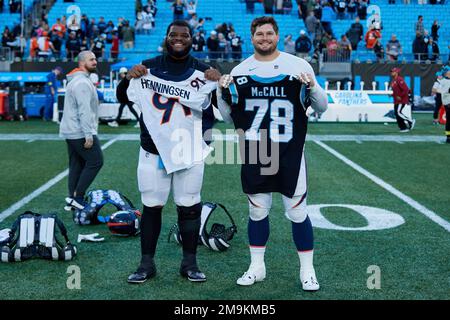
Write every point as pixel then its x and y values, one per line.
pixel 19 204
pixel 413 203
pixel 234 137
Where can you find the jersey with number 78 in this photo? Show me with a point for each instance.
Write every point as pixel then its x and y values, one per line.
pixel 270 115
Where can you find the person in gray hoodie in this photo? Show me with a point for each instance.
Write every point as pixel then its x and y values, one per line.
pixel 79 126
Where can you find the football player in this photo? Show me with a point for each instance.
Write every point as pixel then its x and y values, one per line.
pixel 266 96
pixel 172 91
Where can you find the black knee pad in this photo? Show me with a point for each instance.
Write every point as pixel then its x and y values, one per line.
pixel 189 213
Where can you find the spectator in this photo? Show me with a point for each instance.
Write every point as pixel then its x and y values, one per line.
pixel 200 26
pixel 198 45
pixel 101 25
pixel 328 15
pixel 341 8
pixel 433 50
pixel 191 8
pixel 115 45
pixel 250 6
pixel 287 6
pixel 45 46
pixel 35 26
pixel 147 18
pixel 419 47
pixel 352 6
pixel 362 9
pixel 178 7
pixel 212 43
pixel 109 31
pixel 223 47
pixel 332 50
pixel 73 46
pixel 303 45
pixel 17 46
pixel 355 33
pixel 98 47
pixel 57 36
pixel 311 24
pixel 128 35
pixel 345 48
pixel 84 26
pixel 268 6
pixel 236 45
pixel 393 48
pixel 434 30
pixel 372 36
pixel 6 37
pixel 318 10
pixel 302 9
pixel 139 24
pixel 34 46
pixel 120 23
pixel 193 22
pixel 419 28
pixel 378 50
pixel 289 44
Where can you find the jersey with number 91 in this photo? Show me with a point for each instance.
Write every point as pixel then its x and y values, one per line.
pixel 171 109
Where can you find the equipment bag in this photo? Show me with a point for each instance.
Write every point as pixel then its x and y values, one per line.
pixel 34 235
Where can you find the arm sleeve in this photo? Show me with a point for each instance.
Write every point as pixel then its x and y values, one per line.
pixel 318 96
pixel 85 113
pixel 223 104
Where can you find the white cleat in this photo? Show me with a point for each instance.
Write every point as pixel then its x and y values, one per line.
pixel 413 124
pixel 309 281
pixel 113 124
pixel 251 276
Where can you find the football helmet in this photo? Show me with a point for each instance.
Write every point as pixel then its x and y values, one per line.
pixel 219 236
pixel 124 223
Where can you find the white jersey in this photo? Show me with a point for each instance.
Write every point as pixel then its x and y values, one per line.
pixel 444 89
pixel 171 109
pixel 284 64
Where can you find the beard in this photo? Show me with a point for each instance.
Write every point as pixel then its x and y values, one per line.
pixel 266 52
pixel 91 69
pixel 178 54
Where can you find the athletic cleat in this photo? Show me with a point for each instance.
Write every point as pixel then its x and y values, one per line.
pixel 137 125
pixel 141 276
pixel 146 270
pixel 75 203
pixel 193 275
pixel 404 130
pixel 412 124
pixel 113 124
pixel 251 276
pixel 309 281
pixel 69 208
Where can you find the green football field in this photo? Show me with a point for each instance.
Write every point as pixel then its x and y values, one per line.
pixel 379 202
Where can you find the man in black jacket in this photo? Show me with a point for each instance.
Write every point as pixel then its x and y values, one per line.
pixel 176 63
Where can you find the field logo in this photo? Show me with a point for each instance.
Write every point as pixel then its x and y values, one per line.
pixel 377 219
pixel 374 280
pixel 74 280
